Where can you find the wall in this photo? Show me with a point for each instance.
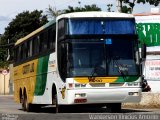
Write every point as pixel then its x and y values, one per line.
pixel 2 84
pixel 148 30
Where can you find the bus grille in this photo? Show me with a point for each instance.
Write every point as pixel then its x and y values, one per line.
pixel 115 84
pixel 97 84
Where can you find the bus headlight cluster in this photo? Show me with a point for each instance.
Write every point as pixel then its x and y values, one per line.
pixel 76 85
pixel 133 84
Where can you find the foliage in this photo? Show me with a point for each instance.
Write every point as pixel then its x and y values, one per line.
pixel 23 24
pixel 52 12
pixel 131 4
pixel 92 7
pixel 109 7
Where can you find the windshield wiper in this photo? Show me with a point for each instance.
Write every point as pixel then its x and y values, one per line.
pixel 93 72
pixel 121 68
pixel 97 69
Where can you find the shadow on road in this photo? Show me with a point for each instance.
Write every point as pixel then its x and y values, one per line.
pixel 84 109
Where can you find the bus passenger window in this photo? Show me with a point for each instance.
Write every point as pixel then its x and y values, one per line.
pixel 51 37
pixel 23 51
pixel 19 53
pixel 61 29
pixel 16 54
pixel 29 47
pixel 43 42
pixel 35 45
pixel 41 39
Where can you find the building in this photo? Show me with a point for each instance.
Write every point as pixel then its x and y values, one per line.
pixel 148 29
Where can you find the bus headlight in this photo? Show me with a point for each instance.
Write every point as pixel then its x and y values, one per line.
pixel 76 85
pixel 133 93
pixel 77 95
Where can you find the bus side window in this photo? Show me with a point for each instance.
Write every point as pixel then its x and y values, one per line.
pixel 35 46
pixel 30 48
pixel 51 37
pixel 54 36
pixel 23 51
pixel 43 41
pixel 19 53
pixel 61 29
pixel 38 44
pixel 16 54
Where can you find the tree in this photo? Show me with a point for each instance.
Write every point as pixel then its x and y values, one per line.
pixel 52 12
pixel 92 7
pixel 109 7
pixel 23 24
pixel 131 4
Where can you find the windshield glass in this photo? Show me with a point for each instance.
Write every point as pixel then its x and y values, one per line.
pixel 101 26
pixel 101 57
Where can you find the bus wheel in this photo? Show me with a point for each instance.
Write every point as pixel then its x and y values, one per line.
pixel 23 103
pixel 55 102
pixel 27 106
pixel 115 107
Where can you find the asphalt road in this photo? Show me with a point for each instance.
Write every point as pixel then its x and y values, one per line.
pixel 9 110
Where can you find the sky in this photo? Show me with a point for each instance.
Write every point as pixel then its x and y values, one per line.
pixel 10 8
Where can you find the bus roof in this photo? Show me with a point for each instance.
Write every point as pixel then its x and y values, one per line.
pixel 95 14
pixel 34 32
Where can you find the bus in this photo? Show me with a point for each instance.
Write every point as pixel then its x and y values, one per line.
pixel 81 58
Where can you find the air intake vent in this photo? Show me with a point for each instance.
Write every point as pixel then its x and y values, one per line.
pixel 115 84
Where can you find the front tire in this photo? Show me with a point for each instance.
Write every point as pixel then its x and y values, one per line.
pixel 55 102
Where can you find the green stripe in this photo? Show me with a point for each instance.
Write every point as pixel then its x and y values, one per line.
pixel 41 78
pixel 127 79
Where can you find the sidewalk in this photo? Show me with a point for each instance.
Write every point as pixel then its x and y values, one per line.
pixel 148 100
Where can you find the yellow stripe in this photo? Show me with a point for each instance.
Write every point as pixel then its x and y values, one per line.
pixel 95 79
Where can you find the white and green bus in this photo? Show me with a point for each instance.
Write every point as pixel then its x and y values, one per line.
pixel 81 58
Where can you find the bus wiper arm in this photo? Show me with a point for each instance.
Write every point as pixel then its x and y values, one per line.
pixel 120 69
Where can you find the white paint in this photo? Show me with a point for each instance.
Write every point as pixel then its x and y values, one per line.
pixel 152 69
pixel 154 84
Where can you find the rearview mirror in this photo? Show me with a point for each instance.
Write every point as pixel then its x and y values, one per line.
pixel 143 51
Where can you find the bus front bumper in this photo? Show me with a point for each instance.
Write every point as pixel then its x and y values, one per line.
pixel 95 96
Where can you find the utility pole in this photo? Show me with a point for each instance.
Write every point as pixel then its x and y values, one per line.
pixel 119 5
pixel 8 56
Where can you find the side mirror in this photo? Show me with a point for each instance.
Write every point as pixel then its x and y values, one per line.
pixel 143 51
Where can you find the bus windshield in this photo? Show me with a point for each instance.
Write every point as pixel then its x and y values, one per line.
pixel 100 26
pixel 101 57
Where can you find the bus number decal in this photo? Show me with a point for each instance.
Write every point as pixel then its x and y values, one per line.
pixel 28 68
pixel 93 79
